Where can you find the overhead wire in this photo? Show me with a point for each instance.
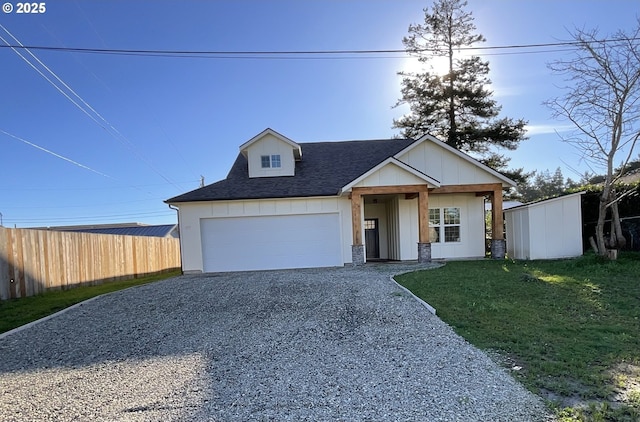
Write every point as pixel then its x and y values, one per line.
pixel 88 218
pixel 94 115
pixel 212 54
pixel 85 205
pixel 215 54
pixel 50 188
pixel 15 50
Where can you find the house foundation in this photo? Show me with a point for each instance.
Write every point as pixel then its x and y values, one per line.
pixel 498 248
pixel 424 252
pixel 357 255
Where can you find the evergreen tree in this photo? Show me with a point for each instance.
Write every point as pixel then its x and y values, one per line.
pixel 543 185
pixel 456 107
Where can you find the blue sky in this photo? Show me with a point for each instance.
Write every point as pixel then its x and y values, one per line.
pixel 162 122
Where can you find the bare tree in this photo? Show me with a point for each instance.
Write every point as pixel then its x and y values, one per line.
pixel 602 101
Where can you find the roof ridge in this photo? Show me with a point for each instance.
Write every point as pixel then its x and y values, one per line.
pixel 357 140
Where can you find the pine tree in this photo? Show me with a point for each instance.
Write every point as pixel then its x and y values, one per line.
pixel 456 107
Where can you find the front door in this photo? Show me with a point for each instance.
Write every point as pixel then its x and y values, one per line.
pixel 372 238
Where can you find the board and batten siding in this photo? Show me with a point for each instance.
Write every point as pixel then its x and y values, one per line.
pixel 472 226
pixel 390 175
pixel 192 214
pixel 472 231
pixel 445 166
pixel 550 229
pixel 398 227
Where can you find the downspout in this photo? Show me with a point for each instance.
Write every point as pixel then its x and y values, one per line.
pixel 179 236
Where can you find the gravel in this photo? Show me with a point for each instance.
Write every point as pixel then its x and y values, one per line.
pixel 342 344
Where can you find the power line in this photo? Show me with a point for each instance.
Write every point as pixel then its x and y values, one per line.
pixel 93 114
pixel 88 218
pixel 92 188
pixel 216 54
pixel 91 205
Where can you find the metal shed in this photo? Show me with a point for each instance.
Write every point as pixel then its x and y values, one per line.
pixel 547 229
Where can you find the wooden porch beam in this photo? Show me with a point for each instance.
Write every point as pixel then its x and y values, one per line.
pixel 482 187
pixel 383 190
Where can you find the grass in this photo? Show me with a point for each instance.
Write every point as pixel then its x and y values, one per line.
pixel 569 330
pixel 17 312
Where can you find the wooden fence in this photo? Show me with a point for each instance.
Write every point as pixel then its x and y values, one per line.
pixel 33 261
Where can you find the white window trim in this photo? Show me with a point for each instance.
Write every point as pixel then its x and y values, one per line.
pixel 440 227
pixel 272 159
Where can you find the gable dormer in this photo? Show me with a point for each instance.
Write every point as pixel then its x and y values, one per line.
pixel 271 154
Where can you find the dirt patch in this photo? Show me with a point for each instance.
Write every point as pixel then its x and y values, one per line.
pixel 626 379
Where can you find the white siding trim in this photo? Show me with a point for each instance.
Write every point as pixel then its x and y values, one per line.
pixel 506 182
pixel 275 134
pixel 391 161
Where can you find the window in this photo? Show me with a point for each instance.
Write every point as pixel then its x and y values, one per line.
pixel 434 225
pixel 270 161
pixel 451 224
pixel 444 221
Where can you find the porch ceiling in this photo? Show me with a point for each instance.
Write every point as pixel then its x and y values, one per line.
pixel 377 199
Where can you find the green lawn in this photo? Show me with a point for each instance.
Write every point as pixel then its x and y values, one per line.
pixel 569 330
pixel 17 312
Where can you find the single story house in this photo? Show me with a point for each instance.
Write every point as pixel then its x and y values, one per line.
pixel 285 204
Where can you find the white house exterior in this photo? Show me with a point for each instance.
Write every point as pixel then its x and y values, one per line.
pixel 549 229
pixel 290 205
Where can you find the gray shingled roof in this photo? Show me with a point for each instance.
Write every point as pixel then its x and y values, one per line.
pixel 325 168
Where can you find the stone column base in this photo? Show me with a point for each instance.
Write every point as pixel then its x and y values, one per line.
pixel 498 248
pixel 424 252
pixel 357 255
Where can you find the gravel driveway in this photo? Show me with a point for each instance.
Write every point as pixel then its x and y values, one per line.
pixel 343 344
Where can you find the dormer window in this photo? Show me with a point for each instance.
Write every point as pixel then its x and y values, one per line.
pixel 270 161
pixel 270 154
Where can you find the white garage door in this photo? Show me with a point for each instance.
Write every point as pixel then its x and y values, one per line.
pixel 271 242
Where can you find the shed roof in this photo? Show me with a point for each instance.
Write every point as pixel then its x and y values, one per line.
pixel 541 202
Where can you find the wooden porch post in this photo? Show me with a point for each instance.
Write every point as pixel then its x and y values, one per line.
pixel 423 216
pixel 424 245
pixel 357 249
pixel 498 246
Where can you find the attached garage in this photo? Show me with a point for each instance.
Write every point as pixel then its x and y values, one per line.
pixel 271 242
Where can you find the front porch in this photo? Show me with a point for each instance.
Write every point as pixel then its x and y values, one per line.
pixel 444 222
